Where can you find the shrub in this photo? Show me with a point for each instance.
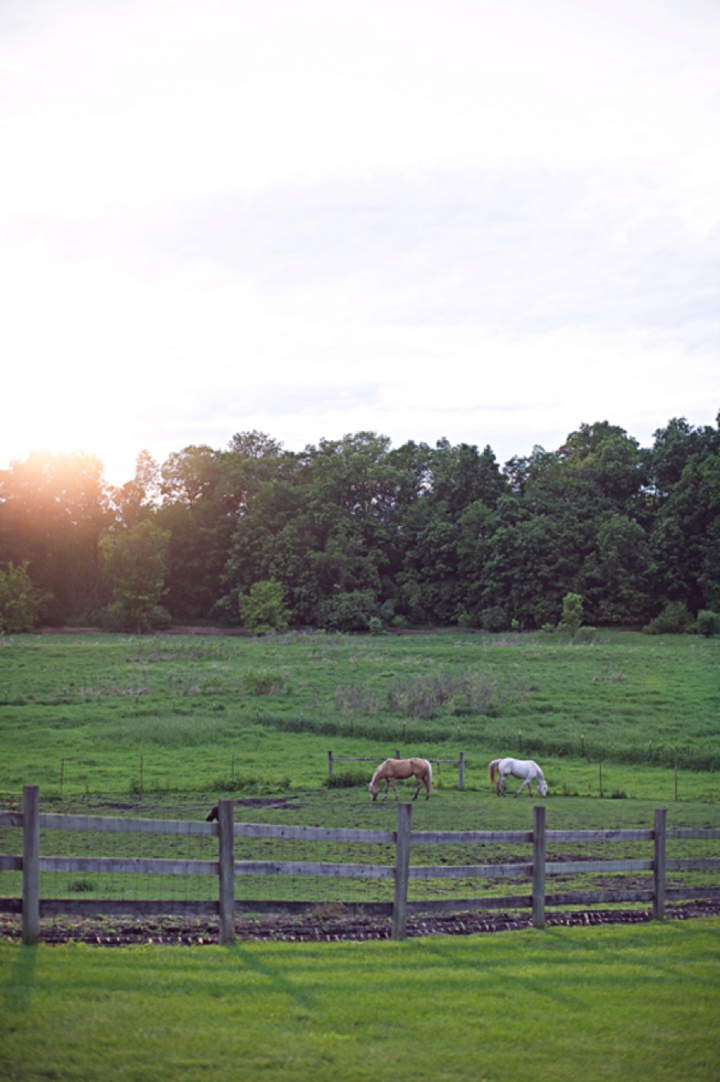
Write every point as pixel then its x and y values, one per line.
pixel 350 611
pixel 263 609
pixel 674 619
pixel 708 623
pixel 262 682
pixel 494 619
pixel 572 614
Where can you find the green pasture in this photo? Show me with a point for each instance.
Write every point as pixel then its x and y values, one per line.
pixel 206 714
pixel 612 1002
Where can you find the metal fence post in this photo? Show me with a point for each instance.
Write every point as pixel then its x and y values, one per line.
pixel 461 776
pixel 538 886
pixel 402 870
pixel 659 865
pixel 31 865
pixel 226 858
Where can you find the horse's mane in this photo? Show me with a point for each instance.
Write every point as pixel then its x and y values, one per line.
pixel 377 771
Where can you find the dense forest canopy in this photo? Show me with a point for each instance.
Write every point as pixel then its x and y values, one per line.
pixel 354 533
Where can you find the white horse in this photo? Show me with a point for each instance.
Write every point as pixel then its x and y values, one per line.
pixel 518 768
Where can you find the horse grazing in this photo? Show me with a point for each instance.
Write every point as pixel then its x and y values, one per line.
pixel 392 769
pixel 518 768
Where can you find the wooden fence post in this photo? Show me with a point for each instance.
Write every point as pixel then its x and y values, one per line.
pixel 461 775
pixel 538 885
pixel 659 865
pixel 31 865
pixel 329 764
pixel 402 869
pixel 226 857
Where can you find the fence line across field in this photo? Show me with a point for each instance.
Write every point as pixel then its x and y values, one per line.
pixel 459 763
pixel 226 868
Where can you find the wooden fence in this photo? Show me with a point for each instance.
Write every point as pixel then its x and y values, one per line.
pixel 459 763
pixel 226 868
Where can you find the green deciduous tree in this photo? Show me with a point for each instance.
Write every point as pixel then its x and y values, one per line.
pixel 18 600
pixel 134 570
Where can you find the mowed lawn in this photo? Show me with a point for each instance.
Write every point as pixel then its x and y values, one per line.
pixel 612 1002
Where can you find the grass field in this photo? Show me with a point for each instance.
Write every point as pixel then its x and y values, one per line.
pixel 201 714
pixel 162 726
pixel 612 1002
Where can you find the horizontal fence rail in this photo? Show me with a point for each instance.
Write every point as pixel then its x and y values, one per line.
pixel 227 869
pixel 459 763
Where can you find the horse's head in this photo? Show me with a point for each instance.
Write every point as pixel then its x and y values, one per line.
pixel 542 787
pixel 213 815
pixel 374 789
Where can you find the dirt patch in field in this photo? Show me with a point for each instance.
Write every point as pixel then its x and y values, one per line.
pixel 329 923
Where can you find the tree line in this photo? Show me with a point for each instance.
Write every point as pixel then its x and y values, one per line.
pixel 353 534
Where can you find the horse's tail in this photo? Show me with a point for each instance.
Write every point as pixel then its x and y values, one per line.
pixel 493 770
pixel 428 764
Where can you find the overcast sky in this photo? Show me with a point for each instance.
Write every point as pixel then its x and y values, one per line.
pixel 490 221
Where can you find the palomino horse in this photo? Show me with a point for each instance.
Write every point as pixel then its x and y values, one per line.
pixel 401 768
pixel 519 768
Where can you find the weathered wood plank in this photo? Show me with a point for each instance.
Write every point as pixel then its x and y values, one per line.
pixel 334 870
pixel 659 835
pixel 375 909
pixel 226 867
pixel 692 863
pixel 579 867
pixel 114 825
pixel 402 866
pixel 313 834
pixel 86 907
pixel 459 905
pixel 595 897
pixel 469 871
pixel 471 837
pixel 539 866
pixel 31 865
pixel 599 836
pixel 10 864
pixel 11 819
pixel 129 865
pixel 688 893
pixel 690 833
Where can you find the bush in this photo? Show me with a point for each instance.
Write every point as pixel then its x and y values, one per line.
pixel 350 611
pixel 261 682
pixel 263 609
pixel 494 619
pixel 708 623
pixel 675 619
pixel 572 614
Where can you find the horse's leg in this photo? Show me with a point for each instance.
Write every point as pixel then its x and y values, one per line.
pixel 526 782
pixel 501 786
pixel 394 785
pixel 387 787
